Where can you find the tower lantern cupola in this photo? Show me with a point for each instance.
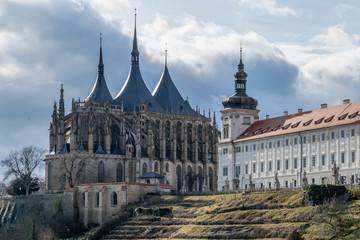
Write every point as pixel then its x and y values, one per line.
pixel 240 99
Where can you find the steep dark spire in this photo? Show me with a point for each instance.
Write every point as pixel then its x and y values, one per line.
pixel 100 91
pixel 240 99
pixel 134 90
pixel 135 51
pixel 101 63
pixel 61 102
pixel 168 96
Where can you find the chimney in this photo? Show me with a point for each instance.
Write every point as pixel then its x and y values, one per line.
pixel 324 105
pixel 285 113
pixel 346 101
pixel 267 116
pixel 300 110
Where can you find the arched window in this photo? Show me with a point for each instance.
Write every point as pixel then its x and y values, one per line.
pixel 83 199
pixel 97 199
pixel 167 167
pixel 144 168
pixel 156 167
pixel 101 172
pixel 119 173
pixel 114 199
pixel 49 176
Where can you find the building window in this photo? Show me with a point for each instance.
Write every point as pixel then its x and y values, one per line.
pixel 278 143
pixel 313 161
pixel 156 167
pixel 342 157
pixel 246 148
pixel 254 167
pixel 262 166
pixel 313 138
pixel 323 137
pixel 342 134
pixel 246 169
pixel 101 172
pixel 352 156
pixel 144 168
pixel 286 183
pixel 313 181
pixel 286 142
pixel 167 167
pixel 270 166
pixel 254 147
pixel 352 132
pixel 304 162
pixel 332 135
pixel 114 199
pixel 304 139
pixel 332 158
pixel 225 151
pixel 295 163
pixel 323 160
pixel 119 173
pixel 225 171
pixel 262 146
pixel 83 199
pixel 295 141
pixel 97 199
pixel 237 170
pixel 226 131
pixel 278 165
pixel 237 149
pixel 270 144
pixel 247 120
pixel 286 164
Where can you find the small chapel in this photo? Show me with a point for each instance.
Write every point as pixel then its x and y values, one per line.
pixel 136 137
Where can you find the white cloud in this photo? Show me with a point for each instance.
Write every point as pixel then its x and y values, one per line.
pixel 328 66
pixel 269 7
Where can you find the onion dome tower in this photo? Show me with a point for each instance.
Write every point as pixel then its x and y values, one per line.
pixel 239 110
pixel 134 90
pixel 100 91
pixel 240 99
pixel 169 97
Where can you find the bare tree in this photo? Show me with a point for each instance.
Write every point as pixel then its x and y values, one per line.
pixel 76 169
pixel 22 163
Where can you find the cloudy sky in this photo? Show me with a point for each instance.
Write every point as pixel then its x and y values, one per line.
pixel 298 54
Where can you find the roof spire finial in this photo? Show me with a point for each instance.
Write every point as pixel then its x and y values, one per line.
pixel 135 51
pixel 241 65
pixel 165 54
pixel 101 63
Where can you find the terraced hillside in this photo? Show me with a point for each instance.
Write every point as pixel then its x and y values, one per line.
pixel 272 215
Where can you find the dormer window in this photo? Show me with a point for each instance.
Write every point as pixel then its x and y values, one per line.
pixel 286 126
pixel 319 121
pixel 343 116
pixel 354 115
pixel 307 123
pixel 296 124
pixel 329 119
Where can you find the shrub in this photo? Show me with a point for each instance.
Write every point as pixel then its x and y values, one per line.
pixel 318 194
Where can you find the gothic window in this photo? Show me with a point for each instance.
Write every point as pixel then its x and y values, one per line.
pixel 119 173
pixel 167 167
pixel 97 199
pixel 144 168
pixel 49 175
pixel 101 172
pixel 114 199
pixel 178 177
pixel 156 167
pixel 211 173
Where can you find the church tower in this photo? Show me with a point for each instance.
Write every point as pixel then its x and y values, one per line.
pixel 239 110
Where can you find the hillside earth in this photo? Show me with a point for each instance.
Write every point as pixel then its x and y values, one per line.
pixel 271 215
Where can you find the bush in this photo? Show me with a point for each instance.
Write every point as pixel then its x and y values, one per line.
pixel 318 194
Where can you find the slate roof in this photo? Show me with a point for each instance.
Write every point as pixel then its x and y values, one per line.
pixel 304 121
pixel 151 175
pixel 100 91
pixel 134 90
pixel 169 97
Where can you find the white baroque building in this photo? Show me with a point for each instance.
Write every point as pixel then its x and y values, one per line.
pixel 293 148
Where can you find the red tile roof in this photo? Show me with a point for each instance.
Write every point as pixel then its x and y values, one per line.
pixel 311 120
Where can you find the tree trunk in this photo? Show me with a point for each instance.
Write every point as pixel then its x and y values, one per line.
pixel 27 189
